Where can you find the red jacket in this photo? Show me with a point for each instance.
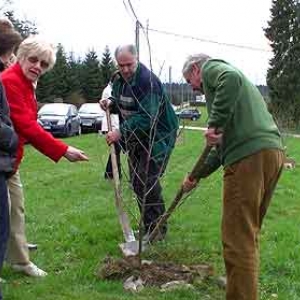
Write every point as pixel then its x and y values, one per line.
pixel 23 111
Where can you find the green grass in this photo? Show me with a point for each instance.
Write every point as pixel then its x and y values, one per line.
pixel 71 215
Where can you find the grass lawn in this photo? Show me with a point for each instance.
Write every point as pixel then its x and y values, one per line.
pixel 71 215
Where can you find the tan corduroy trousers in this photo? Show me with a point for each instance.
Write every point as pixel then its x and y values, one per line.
pixel 17 251
pixel 248 188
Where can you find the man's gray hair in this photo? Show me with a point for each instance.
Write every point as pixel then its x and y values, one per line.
pixel 35 46
pixel 196 59
pixel 126 48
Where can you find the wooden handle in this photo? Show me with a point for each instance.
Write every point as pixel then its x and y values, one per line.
pixel 199 165
pixel 123 218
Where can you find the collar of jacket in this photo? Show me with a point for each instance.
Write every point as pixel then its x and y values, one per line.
pixel 18 70
pixel 136 74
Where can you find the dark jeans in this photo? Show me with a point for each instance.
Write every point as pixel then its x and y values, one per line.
pixel 108 171
pixel 4 220
pixel 147 187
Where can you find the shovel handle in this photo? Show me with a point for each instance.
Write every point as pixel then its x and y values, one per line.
pixel 200 164
pixel 109 126
pixel 112 150
pixel 123 217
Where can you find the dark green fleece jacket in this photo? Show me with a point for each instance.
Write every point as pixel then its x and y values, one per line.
pixel 236 106
pixel 146 114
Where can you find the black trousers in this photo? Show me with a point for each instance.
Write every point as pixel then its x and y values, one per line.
pixel 4 220
pixel 147 187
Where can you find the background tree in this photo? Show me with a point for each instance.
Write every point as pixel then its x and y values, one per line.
pixel 24 27
pixel 107 66
pixel 54 84
pixel 45 88
pixel 74 78
pixel 283 76
pixel 60 74
pixel 74 74
pixel 91 77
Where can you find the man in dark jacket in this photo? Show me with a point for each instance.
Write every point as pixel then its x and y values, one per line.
pixel 8 147
pixel 148 128
pixel 9 38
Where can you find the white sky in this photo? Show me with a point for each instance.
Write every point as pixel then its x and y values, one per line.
pixel 82 25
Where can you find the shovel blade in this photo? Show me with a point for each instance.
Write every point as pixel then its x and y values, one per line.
pixel 132 248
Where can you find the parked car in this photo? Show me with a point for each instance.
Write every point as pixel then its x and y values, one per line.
pixel 91 116
pixel 188 113
pixel 60 119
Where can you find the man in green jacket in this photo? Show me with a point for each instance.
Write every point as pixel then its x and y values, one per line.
pixel 148 128
pixel 247 142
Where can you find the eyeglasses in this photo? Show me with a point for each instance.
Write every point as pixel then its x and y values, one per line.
pixel 34 59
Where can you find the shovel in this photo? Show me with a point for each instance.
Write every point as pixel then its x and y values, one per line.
pixel 123 217
pixel 133 247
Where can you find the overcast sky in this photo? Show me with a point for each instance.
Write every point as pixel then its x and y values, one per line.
pixel 83 25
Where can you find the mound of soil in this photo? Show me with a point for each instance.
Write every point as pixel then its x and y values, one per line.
pixel 152 273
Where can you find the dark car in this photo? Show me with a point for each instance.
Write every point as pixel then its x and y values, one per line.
pixel 191 114
pixel 60 119
pixel 91 116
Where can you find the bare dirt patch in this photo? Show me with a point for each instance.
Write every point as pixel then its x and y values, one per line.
pixel 151 273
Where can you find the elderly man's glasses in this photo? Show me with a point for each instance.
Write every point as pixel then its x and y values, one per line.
pixel 34 59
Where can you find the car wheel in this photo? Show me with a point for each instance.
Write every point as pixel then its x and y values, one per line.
pixel 194 118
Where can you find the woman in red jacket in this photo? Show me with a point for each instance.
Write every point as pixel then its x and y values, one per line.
pixel 34 58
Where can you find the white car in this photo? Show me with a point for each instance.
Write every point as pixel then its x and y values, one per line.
pixel 91 116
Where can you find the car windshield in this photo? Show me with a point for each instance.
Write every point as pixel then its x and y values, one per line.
pixel 91 108
pixel 56 109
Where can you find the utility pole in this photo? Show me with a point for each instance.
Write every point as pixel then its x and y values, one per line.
pixel 170 82
pixel 137 38
pixel 170 74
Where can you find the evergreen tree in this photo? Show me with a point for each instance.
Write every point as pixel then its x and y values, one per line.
pixel 45 88
pixel 107 66
pixel 60 74
pixel 74 71
pixel 54 84
pixel 74 81
pixel 91 77
pixel 24 27
pixel 283 77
